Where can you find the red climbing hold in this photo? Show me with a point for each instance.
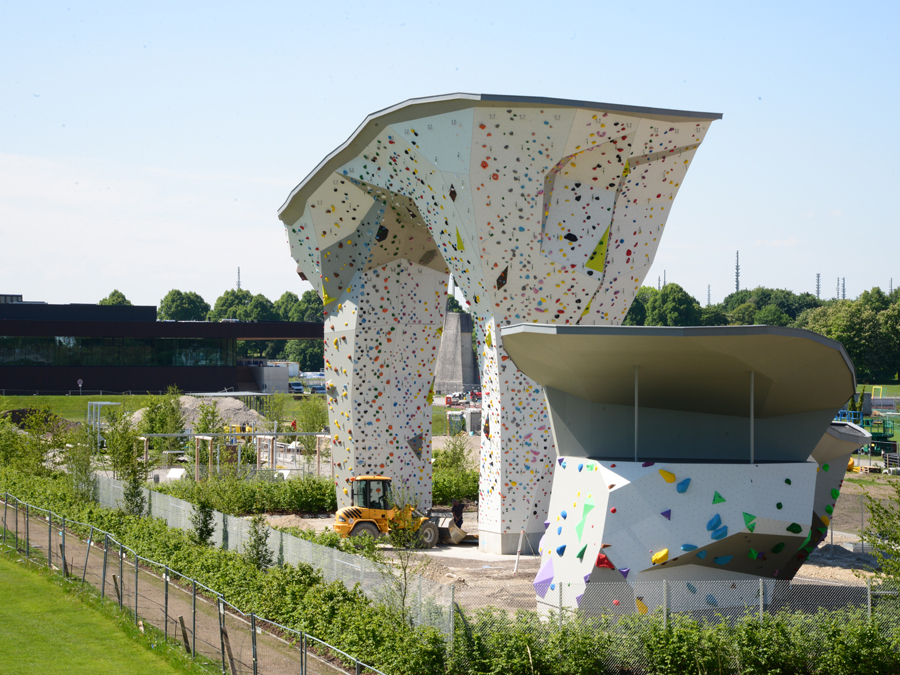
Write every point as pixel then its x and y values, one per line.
pixel 603 561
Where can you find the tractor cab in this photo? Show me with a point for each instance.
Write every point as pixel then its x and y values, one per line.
pixel 372 510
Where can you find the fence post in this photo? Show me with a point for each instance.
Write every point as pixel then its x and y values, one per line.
pixel 5 505
pixel 869 597
pixel 302 653
pixel 65 566
pixel 221 609
pixel 193 618
pixel 862 521
pixel 105 559
pixel 121 578
pixel 253 639
pixel 419 611
pixel 358 666
pixel 16 542
pixel 761 599
pixel 135 587
pixel 27 534
pixel 452 617
pixel 87 554
pixel 166 605
pixel 559 618
pixel 665 604
pixel 50 540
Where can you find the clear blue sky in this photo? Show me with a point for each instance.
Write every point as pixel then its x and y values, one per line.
pixel 148 147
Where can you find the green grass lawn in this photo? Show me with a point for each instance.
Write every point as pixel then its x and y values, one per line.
pixel 47 630
pixel 889 389
pixel 72 408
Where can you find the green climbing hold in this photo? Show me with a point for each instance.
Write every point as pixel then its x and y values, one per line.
pixel 748 518
pixel 824 467
pixel 717 498
pixel 830 509
pixel 835 493
pixel 795 528
pixel 779 506
pixel 751 527
pixel 752 554
pixel 787 481
pixel 822 530
pixel 778 548
pixel 580 554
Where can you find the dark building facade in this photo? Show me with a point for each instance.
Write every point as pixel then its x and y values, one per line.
pixel 49 348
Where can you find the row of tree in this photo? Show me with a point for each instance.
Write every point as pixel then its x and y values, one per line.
pixel 242 305
pixel 868 327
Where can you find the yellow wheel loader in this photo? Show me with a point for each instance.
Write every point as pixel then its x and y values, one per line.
pixel 372 511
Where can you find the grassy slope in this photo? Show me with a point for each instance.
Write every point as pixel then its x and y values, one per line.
pixel 46 630
pixel 72 408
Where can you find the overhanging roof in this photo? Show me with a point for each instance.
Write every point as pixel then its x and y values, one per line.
pixel 417 108
pixel 702 369
pixel 272 330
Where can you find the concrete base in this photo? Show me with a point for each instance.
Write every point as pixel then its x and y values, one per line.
pixel 507 543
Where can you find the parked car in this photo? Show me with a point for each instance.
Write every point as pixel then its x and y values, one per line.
pixel 317 389
pixel 296 387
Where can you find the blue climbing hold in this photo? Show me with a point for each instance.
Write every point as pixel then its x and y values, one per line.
pixel 580 467
pixel 701 554
pixel 683 486
pixel 710 600
pixel 564 515
pixel 691 588
pixel 667 514
pixel 720 533
pixel 559 530
pixel 560 549
pixel 723 559
pixel 714 523
pixel 688 547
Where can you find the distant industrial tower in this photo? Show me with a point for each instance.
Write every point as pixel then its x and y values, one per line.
pixel 659 283
pixel 818 285
pixel 837 291
pixel 239 279
pixel 708 303
pixel 843 288
pixel 737 271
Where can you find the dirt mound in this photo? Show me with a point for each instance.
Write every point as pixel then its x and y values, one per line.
pixel 19 416
pixel 231 410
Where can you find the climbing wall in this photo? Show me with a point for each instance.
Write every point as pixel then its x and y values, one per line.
pixel 543 213
pixel 643 522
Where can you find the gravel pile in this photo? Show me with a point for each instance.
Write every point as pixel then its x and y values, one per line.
pixel 231 410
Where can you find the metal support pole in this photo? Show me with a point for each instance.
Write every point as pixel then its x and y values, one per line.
pixel 16 542
pixel 635 413
pixel 221 609
pixel 303 652
pixel 253 640
pixel 105 558
pixel 87 554
pixel 869 597
pixel 193 618
pixel 27 534
pixel 761 599
pixel 560 603
pixel 166 605
pixel 862 521
pixel 752 417
pixel 50 539
pixel 665 604
pixel 135 589
pixel 5 505
pixel 452 618
pixel 121 578
pixel 63 547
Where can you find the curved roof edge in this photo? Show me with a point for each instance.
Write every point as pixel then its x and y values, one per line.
pixel 460 100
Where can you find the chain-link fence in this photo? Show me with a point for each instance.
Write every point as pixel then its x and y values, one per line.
pixel 184 611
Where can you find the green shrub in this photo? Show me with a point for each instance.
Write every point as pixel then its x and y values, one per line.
pixel 687 646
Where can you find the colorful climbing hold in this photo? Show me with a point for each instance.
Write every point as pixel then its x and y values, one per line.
pixel 564 515
pixel 660 556
pixel 829 508
pixel 616 603
pixel 779 506
pixel 723 559
pixel 603 561
pixel 580 467
pixel 717 498
pixel 835 493
pixel 714 522
pixel 646 464
pixel 825 467
pixel 625 571
pixel 748 518
pixel 560 549
pixel 701 554
pixel 641 607
pixel 612 510
pixel 580 554
pixel 711 600
pixel 691 587
pixel 721 533
pixel 682 487
pixel 667 514
pixel 795 528
pixel 787 481
pixel 688 547
pixel 778 548
pixel 666 476
pixel 751 554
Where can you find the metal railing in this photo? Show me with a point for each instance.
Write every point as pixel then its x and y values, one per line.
pixel 185 611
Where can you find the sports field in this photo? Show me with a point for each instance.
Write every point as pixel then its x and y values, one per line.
pixel 47 630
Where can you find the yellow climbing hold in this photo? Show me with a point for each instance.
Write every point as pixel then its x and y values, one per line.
pixel 325 298
pixel 459 241
pixel 626 170
pixel 668 477
pixel 597 261
pixel 641 607
pixel 826 520
pixel 660 556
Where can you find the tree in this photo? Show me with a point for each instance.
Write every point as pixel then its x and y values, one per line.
pixel 454 306
pixel 712 315
pixel 859 330
pixel 637 313
pixel 164 416
pixel 121 440
pixel 673 306
pixel 79 462
pixel 310 354
pixel 285 304
pixel 231 304
pixel 744 315
pixel 309 309
pixel 178 306
pixel 256 550
pixel 876 300
pixel 202 521
pixel 771 315
pixel 115 298
pixel 312 416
